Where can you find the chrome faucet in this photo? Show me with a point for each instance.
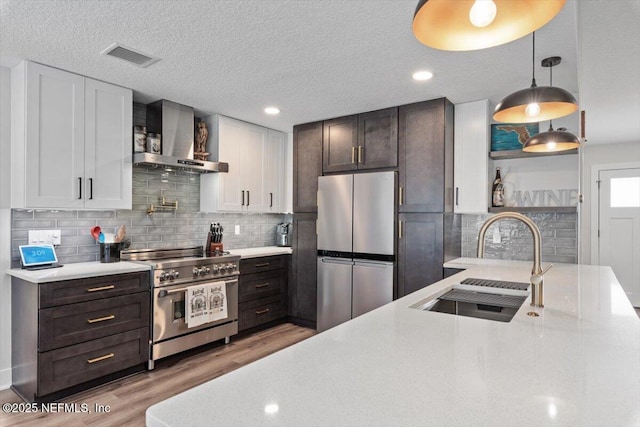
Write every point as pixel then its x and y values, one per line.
pixel 537 272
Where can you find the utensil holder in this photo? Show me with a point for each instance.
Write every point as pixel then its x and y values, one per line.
pixel 110 252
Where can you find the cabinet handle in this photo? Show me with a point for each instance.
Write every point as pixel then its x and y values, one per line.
pixel 102 319
pixel 101 358
pixel 401 196
pixel 399 229
pixel 262 285
pixel 266 310
pixel 264 264
pixel 101 288
pixel 248 197
pixel 90 188
pixel 353 154
pixel 270 200
pixel 242 198
pixel 457 196
pixel 360 154
pixel 79 187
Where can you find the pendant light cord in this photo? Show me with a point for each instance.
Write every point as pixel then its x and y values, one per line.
pixel 533 62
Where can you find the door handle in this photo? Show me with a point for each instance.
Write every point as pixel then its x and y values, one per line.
pixel 401 196
pixel 101 288
pixel 90 188
pixel 457 195
pixel 266 310
pixel 360 154
pixel 248 197
pixel 353 154
pixel 262 285
pixel 270 200
pixel 102 319
pixel 242 198
pixel 79 187
pixel 399 229
pixel 101 358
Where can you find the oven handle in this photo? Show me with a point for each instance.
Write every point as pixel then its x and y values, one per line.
pixel 163 292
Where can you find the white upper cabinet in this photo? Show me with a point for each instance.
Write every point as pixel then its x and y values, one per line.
pixel 472 133
pixel 255 180
pixel 71 141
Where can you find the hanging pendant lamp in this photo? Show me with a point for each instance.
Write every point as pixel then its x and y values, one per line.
pixel 471 25
pixel 535 104
pixel 551 140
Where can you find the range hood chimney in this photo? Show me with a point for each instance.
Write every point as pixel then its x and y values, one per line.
pixel 175 123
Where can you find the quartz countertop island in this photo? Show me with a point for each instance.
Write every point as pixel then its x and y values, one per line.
pixel 577 364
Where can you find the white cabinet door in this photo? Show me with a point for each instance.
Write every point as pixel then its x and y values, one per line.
pixel 253 149
pixel 275 174
pixel 230 194
pixel 72 145
pixel 471 150
pixel 52 166
pixel 108 146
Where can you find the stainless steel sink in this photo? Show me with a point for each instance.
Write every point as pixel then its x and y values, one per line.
pixel 480 298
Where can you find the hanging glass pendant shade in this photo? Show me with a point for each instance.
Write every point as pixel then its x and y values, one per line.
pixel 460 25
pixel 537 103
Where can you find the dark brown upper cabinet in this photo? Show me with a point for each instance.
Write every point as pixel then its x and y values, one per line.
pixel 362 141
pixel 307 166
pixel 425 151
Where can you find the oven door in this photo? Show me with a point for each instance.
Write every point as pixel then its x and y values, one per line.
pixel 169 310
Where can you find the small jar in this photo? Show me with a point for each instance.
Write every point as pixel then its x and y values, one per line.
pixel 154 143
pixel 139 139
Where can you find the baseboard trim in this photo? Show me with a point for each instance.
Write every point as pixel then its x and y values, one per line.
pixel 5 378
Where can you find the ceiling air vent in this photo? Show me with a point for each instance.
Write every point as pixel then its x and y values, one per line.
pixel 130 55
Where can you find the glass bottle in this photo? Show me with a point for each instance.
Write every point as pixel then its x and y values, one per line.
pixel 497 200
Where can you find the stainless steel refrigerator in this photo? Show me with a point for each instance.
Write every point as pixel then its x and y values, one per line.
pixel 356 256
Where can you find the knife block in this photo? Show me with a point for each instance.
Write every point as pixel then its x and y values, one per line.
pixel 212 247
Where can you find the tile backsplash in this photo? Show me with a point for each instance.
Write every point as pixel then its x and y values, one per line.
pixel 184 227
pixel 559 233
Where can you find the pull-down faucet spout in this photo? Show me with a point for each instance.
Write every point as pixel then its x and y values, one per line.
pixel 536 271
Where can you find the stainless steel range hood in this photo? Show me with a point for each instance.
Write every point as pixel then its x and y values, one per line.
pixel 175 123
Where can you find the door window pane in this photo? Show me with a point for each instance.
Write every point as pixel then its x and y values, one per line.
pixel 625 192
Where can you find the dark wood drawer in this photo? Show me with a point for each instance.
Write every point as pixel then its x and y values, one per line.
pixel 254 265
pixel 257 312
pixel 259 285
pixel 69 366
pixel 75 323
pixel 80 290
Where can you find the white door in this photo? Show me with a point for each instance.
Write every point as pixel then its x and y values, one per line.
pixel 619 227
pixel 253 149
pixel 231 195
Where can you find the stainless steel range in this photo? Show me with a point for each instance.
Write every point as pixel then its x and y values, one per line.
pixel 173 272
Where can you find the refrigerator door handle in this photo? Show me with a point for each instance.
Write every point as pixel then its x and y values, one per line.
pixel 376 264
pixel 330 260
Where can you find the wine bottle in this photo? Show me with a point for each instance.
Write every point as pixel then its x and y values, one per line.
pixel 497 191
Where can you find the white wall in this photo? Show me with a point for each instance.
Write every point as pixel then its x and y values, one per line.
pixel 602 154
pixel 5 227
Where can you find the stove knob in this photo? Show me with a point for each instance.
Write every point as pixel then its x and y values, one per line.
pixel 232 267
pixel 163 276
pixel 223 269
pixel 195 271
pixel 216 269
pixel 207 270
pixel 174 274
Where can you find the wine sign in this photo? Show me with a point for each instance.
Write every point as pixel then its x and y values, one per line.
pixel 530 198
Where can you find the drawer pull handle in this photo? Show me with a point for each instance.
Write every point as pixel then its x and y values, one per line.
pixel 102 319
pixel 101 358
pixel 101 288
pixel 266 310
pixel 264 264
pixel 262 285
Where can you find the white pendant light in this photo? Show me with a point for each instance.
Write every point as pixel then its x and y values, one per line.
pixel 460 25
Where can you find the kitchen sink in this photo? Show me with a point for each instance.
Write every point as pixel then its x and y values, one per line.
pixel 480 298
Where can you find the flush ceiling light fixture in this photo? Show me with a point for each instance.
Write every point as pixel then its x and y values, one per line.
pixel 272 110
pixel 551 140
pixel 535 104
pixel 422 75
pixel 478 24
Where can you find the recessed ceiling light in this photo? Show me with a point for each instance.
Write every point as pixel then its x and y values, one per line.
pixel 422 75
pixel 272 110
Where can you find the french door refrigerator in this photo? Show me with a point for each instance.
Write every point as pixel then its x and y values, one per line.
pixel 355 245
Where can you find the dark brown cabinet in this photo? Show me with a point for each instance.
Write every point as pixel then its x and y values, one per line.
pixel 71 334
pixel 262 288
pixel 425 151
pixel 362 141
pixel 307 166
pixel 303 289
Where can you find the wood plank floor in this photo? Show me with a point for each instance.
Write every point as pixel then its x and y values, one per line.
pixel 129 398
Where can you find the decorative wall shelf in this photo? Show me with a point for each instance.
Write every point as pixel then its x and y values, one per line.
pixel 535 209
pixel 519 154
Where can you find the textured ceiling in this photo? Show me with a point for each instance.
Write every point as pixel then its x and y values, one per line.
pixel 321 59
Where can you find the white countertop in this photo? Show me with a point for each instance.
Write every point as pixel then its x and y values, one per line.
pixel 263 251
pixel 464 263
pixel 77 271
pixel 578 364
